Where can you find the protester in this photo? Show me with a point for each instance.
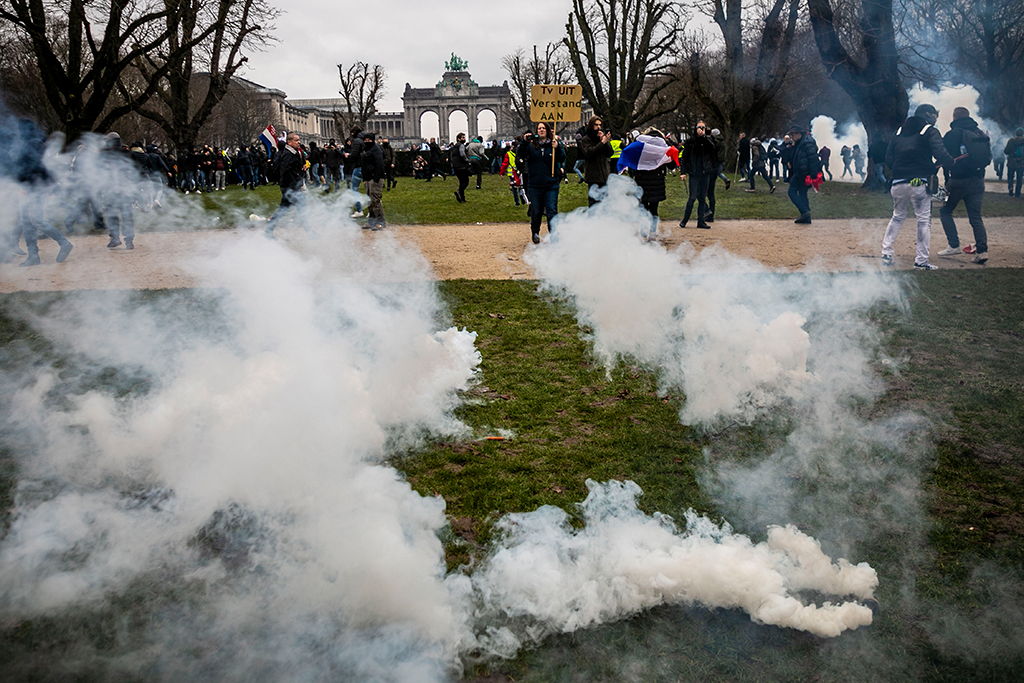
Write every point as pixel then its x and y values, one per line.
pixel 596 151
pixel 716 137
pixel 965 181
pixel 743 156
pixel 648 159
pixel 847 155
pixel 758 156
pixel 804 172
pixel 436 157
pixel 389 163
pixel 877 151
pixel 290 167
pixel 858 161
pixel 699 161
pixel 34 183
pixel 510 168
pixel 374 173
pixel 1014 152
pixel 909 155
pixel 460 165
pixel 477 154
pixel 543 157
pixel 824 155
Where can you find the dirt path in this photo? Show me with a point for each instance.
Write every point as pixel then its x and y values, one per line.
pixel 494 251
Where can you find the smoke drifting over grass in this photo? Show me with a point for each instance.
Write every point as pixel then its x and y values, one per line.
pixel 206 472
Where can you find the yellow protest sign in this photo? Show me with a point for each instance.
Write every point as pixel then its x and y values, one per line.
pixel 556 103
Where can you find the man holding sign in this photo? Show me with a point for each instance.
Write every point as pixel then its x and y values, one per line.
pixel 543 155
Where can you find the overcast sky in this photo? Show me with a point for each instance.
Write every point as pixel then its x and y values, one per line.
pixel 411 39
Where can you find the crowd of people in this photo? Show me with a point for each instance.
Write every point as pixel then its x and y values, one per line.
pixel 534 164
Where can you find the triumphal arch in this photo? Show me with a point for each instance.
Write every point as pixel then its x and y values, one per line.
pixel 457 91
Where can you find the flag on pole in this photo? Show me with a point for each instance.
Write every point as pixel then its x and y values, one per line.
pixel 269 139
pixel 647 153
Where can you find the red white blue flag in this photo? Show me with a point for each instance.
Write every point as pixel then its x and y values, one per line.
pixel 269 139
pixel 647 153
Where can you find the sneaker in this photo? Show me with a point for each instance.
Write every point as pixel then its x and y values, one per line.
pixel 749 189
pixel 949 251
pixel 980 257
pixel 535 238
pixel 771 190
pixel 128 243
pixel 805 219
pixel 970 249
pixel 32 260
pixel 65 249
pixel 682 224
pixel 114 242
pixel 886 259
pixel 357 214
pixel 925 266
pixel 728 183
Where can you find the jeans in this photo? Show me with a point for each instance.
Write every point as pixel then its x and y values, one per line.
pixel 798 195
pixel 971 191
pixel 756 171
pixel 289 198
pixel 698 193
pixel 355 180
pixel 878 180
pixel 543 200
pixel 904 195
pixel 1010 173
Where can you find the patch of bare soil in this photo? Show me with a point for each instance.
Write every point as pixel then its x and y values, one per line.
pixel 495 251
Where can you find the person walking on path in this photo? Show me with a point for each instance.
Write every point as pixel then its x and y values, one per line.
pixel 757 166
pixel 909 155
pixel 34 183
pixel 699 161
pixel 1014 152
pixel 543 157
pixel 805 171
pixel 290 175
pixel 847 155
pixel 965 181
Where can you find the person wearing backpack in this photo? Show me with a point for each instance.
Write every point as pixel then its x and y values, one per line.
pixel 909 155
pixel 971 150
pixel 1014 152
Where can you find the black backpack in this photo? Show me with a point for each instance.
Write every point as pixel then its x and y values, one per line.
pixel 977 145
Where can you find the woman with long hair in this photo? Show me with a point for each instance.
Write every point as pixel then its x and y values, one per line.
pixel 699 161
pixel 543 156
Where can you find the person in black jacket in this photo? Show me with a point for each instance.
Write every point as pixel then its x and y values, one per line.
pixel 699 161
pixel 460 166
pixel 291 168
pixel 595 148
pixel 543 157
pixel 26 153
pixel 964 181
pixel 803 164
pixel 373 175
pixel 909 156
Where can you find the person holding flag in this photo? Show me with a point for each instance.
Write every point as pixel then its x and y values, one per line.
pixel 648 158
pixel 269 139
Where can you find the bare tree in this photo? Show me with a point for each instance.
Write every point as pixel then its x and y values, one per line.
pixel 987 37
pixel 617 45
pixel 220 31
pixel 525 72
pixel 362 87
pixel 98 42
pixel 858 49
pixel 741 85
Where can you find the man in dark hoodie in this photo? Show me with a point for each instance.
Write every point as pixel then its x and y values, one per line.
pixel 1014 152
pixel 354 166
pixel 373 175
pixel 964 181
pixel 909 155
pixel 804 164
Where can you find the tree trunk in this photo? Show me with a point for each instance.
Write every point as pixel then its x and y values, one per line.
pixel 872 81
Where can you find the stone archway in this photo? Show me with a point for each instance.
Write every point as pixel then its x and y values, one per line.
pixel 457 91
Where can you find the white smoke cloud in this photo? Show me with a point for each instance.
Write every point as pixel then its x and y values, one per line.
pixel 228 445
pixel 828 133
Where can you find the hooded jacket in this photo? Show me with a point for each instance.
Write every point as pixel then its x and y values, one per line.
pixel 1012 145
pixel 372 161
pixel 953 140
pixel 912 148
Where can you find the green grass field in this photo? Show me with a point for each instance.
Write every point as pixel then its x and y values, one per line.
pixel 420 202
